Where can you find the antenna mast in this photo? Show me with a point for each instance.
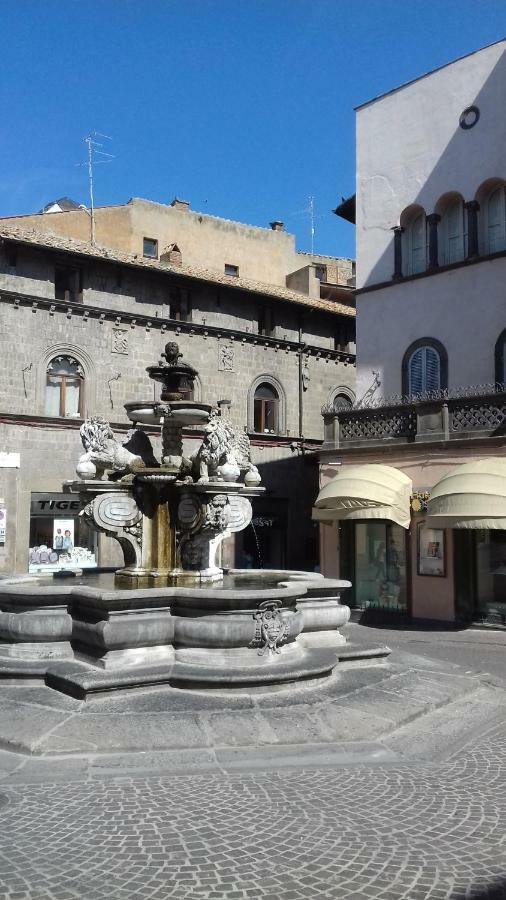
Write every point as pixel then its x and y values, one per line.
pixel 92 160
pixel 311 217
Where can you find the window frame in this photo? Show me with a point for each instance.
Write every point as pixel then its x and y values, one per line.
pixel 152 241
pixel 501 188
pixel 461 235
pixel 234 270
pixel 434 344
pixel 63 378
pixel 277 387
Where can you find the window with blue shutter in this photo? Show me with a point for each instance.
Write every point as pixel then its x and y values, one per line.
pixel 424 371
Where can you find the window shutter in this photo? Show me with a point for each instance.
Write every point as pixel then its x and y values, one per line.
pixel 432 369
pixel 496 221
pixel 416 372
pixel 424 371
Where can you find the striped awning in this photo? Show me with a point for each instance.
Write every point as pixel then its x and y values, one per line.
pixel 365 492
pixel 470 496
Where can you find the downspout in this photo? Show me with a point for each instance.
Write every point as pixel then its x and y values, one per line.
pixel 301 401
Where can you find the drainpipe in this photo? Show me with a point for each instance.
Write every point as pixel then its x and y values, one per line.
pixel 301 392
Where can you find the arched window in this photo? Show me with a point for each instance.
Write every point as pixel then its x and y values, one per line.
pixel 424 367
pixel 266 409
pixel 495 220
pixel 452 248
pixel 341 402
pixel 415 242
pixel 64 387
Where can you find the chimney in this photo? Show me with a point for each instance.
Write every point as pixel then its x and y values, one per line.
pixel 180 204
pixel 276 226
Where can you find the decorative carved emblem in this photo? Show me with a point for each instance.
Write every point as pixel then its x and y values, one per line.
pixel 225 358
pixel 270 629
pixel 119 341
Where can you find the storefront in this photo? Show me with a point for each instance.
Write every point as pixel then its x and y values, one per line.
pixel 436 552
pixel 370 506
pixel 471 501
pixel 59 538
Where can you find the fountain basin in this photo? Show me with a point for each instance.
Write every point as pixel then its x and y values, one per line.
pixel 249 629
pixel 181 411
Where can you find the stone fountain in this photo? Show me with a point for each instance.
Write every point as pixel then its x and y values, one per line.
pixel 171 615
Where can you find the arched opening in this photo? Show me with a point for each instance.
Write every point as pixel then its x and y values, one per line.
pixel 266 409
pixel 64 394
pixel 424 367
pixel 491 197
pixel 452 229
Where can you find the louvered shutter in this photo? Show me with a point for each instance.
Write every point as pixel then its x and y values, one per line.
pixel 418 245
pixel 454 233
pixel 416 372
pixel 432 379
pixel 496 224
pixel 424 371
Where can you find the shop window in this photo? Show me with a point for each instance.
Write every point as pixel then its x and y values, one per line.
pixel 266 409
pixel 496 220
pixel 64 387
pixel 68 284
pixel 374 556
pixel 150 248
pixel 59 537
pixel 424 367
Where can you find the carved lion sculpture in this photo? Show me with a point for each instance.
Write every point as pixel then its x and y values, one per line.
pixel 214 449
pixel 222 454
pixel 102 451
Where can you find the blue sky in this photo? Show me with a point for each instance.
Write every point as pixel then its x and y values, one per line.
pixel 243 107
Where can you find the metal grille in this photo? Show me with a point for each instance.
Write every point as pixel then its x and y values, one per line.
pixel 487 415
pixel 395 423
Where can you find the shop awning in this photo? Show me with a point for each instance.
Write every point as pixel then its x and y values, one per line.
pixel 365 492
pixel 470 496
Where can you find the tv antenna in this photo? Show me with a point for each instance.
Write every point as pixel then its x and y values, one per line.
pixel 94 152
pixel 311 219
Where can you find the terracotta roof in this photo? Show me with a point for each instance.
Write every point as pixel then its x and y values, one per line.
pixel 51 241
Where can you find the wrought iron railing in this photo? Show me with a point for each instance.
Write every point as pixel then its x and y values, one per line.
pixel 448 414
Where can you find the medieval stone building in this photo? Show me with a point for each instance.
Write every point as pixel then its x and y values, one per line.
pixel 270 330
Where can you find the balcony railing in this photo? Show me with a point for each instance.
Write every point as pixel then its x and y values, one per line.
pixel 472 412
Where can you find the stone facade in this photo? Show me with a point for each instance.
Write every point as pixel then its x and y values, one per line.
pixel 114 323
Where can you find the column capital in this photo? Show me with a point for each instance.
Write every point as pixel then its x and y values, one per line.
pixel 472 205
pixel 397 229
pixel 433 218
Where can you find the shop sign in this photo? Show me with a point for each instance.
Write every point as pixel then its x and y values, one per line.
pixel 419 501
pixel 3 525
pixel 64 505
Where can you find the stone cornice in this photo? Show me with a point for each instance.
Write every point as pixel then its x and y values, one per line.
pixel 429 273
pixel 157 323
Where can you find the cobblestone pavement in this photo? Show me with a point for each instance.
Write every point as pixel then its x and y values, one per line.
pixel 387 832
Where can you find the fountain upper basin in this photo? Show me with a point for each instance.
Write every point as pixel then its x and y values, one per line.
pixel 184 412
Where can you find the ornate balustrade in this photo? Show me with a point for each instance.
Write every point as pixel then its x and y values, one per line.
pixel 474 411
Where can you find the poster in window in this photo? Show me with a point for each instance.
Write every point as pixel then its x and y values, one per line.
pixel 431 551
pixel 63 536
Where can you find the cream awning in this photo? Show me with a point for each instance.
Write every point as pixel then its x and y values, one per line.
pixel 470 496
pixel 365 492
